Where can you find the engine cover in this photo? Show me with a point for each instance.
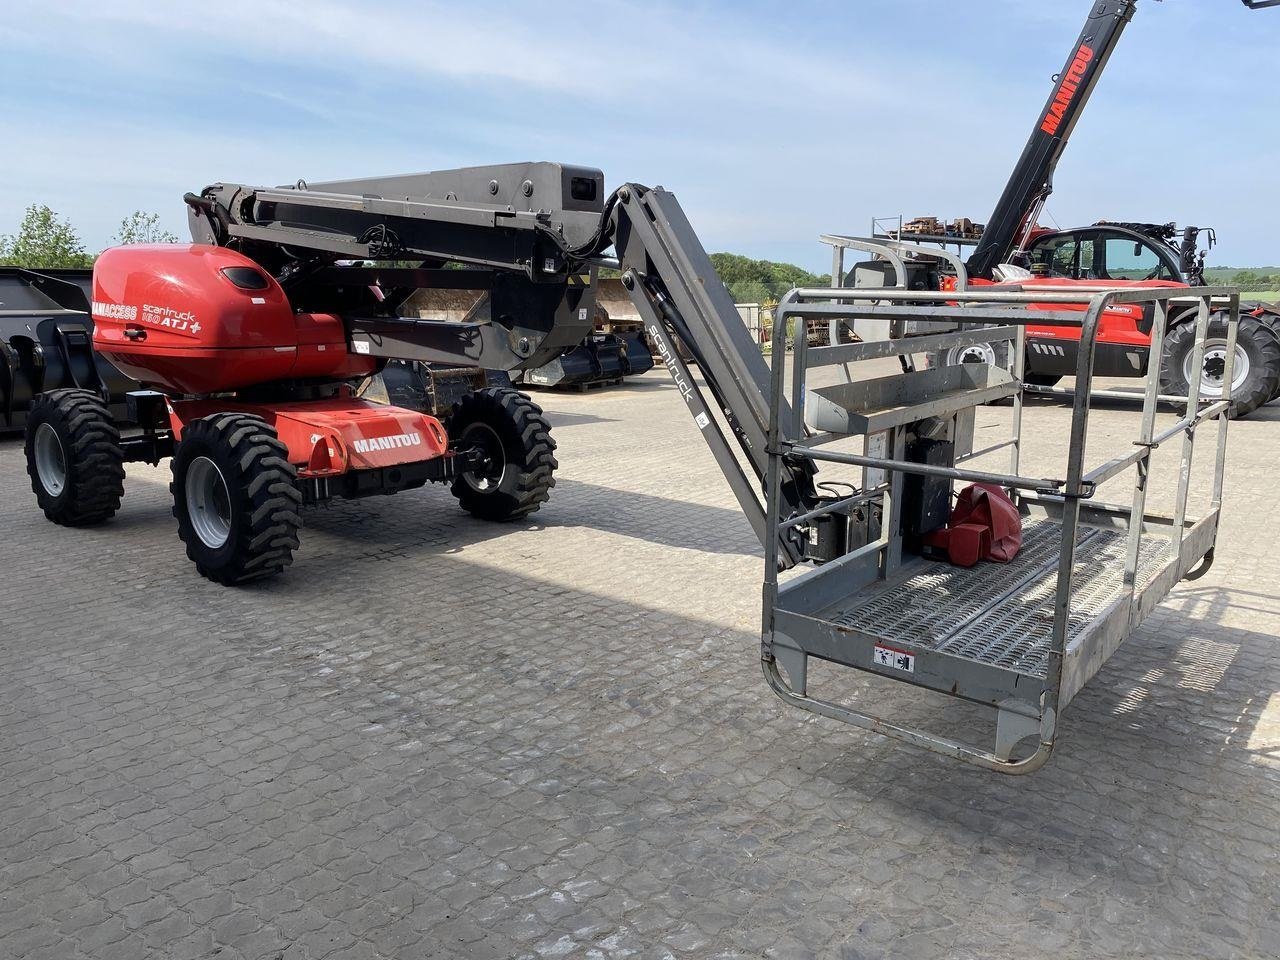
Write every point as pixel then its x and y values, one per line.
pixel 197 319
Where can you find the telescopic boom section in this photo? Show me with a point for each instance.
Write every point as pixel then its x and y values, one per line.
pixel 1032 179
pixel 682 300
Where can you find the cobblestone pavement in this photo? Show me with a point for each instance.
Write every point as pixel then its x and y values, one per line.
pixel 439 738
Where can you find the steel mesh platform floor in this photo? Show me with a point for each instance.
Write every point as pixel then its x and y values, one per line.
pixel 999 614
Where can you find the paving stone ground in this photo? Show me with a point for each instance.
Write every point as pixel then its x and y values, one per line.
pixel 440 738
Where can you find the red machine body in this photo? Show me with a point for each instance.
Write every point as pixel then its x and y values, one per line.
pixel 1122 326
pixel 198 320
pixel 326 438
pixel 194 319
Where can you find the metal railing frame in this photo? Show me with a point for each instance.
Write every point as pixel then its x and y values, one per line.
pixel 1078 484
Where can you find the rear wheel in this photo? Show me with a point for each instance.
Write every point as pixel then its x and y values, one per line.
pixel 993 354
pixel 236 499
pixel 1256 374
pixel 1272 322
pixel 74 458
pixel 517 471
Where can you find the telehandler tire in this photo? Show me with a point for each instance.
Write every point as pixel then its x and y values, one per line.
pixel 1255 379
pixel 520 454
pixel 236 498
pixel 1272 322
pixel 74 458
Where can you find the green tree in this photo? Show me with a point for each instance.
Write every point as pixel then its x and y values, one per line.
pixel 141 227
pixel 44 240
pixel 762 281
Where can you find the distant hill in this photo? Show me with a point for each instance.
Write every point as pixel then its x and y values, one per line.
pixel 1261 282
pixel 1228 274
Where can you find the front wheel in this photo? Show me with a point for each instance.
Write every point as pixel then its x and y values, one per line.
pixel 1255 375
pixel 74 458
pixel 516 467
pixel 236 499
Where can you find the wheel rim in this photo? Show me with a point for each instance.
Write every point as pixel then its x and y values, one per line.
pixel 208 502
pixel 1214 368
pixel 484 437
pixel 51 460
pixel 975 353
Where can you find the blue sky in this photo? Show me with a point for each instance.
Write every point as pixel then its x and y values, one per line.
pixel 773 122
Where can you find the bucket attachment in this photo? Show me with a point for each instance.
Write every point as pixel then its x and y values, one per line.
pixel 46 343
pixel 602 358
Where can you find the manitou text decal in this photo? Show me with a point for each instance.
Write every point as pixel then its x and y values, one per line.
pixel 1067 90
pixel 388 443
pixel 115 311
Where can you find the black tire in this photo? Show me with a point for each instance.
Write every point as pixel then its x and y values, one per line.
pixel 74 458
pixel 1272 322
pixel 512 431
pixel 236 498
pixel 1256 343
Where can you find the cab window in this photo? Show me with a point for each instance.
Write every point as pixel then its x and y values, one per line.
pixel 1129 259
pixel 1091 267
pixel 1058 256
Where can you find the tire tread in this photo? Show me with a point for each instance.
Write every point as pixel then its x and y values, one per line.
pixel 271 500
pixel 95 459
pixel 537 472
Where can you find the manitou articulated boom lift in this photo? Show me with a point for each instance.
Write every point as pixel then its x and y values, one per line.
pixel 1103 255
pixel 250 343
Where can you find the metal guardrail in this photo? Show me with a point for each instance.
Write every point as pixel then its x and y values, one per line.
pixel 798 616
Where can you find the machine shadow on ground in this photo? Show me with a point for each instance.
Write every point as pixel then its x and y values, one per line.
pixel 416 521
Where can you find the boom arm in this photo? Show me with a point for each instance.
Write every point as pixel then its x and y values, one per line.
pixel 496 220
pixel 682 300
pixel 1032 179
pixel 526 234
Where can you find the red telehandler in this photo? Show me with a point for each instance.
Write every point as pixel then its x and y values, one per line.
pixel 1105 255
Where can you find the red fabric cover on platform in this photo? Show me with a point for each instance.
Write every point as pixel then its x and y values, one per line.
pixel 984 525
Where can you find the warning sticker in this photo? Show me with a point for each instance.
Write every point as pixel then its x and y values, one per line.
pixel 895 659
